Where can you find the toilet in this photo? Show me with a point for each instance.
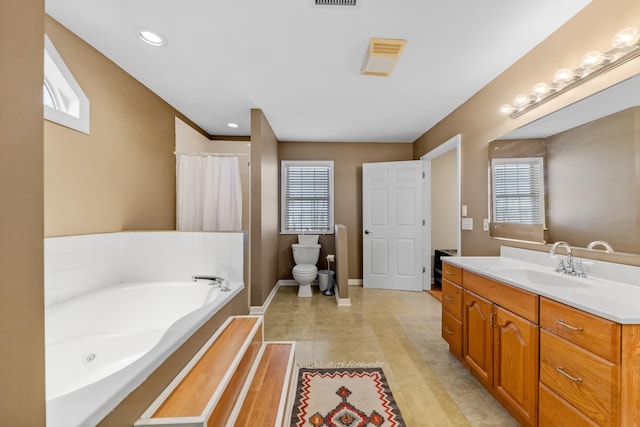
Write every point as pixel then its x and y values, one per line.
pixel 305 255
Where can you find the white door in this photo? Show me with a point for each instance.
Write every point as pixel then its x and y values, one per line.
pixel 392 225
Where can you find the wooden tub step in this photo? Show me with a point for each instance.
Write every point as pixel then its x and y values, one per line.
pixel 216 373
pixel 265 398
pixel 235 379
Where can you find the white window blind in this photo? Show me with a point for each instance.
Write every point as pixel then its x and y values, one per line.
pixel 518 190
pixel 307 196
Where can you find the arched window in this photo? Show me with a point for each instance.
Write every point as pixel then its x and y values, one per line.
pixel 63 99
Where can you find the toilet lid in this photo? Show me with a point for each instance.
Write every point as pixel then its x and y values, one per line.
pixel 305 268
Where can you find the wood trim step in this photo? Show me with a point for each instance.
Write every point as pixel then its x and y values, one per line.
pixel 269 388
pixel 216 372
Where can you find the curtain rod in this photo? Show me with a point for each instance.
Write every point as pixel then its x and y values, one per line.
pixel 177 153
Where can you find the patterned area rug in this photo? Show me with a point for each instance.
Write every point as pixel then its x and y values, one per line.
pixel 344 397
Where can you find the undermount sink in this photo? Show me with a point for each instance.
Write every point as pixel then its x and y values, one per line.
pixel 540 277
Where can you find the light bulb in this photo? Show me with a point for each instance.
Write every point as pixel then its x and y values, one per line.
pixel 592 59
pixel 540 89
pixel 151 37
pixel 505 109
pixel 626 37
pixel 563 75
pixel 521 100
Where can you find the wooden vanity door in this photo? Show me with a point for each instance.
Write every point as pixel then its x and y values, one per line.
pixel 477 344
pixel 516 364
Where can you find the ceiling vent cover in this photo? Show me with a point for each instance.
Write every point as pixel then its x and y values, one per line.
pixel 382 56
pixel 335 2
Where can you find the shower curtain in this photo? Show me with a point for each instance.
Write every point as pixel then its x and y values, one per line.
pixel 208 193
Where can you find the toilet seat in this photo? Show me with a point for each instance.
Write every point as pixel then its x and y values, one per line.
pixel 305 268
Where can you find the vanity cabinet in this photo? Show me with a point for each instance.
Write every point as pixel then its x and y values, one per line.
pixel 452 308
pixel 499 345
pixel 580 364
pixel 492 327
pixel 547 363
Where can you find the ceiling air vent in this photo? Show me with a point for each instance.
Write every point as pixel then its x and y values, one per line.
pixel 382 56
pixel 335 2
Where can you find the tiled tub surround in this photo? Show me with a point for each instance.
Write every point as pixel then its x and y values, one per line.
pixel 77 265
pixel 610 290
pixel 132 277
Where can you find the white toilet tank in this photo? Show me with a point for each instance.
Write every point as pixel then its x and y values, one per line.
pixel 308 239
pixel 305 254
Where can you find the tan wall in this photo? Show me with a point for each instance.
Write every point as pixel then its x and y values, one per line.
pixel 444 203
pixel 22 398
pixel 348 159
pixel 478 120
pixel 264 208
pixel 122 175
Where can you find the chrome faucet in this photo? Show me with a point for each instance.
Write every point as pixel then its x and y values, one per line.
pixel 558 244
pixel 213 281
pixel 567 265
pixel 607 246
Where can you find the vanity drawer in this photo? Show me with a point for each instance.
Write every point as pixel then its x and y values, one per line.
pixel 452 299
pixel 518 301
pixel 598 335
pixel 589 382
pixel 451 273
pixel 452 333
pixel 557 412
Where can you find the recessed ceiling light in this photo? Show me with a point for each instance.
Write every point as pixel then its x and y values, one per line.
pixel 151 37
pixel 233 125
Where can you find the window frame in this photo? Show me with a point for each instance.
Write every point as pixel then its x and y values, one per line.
pixel 64 89
pixel 541 214
pixel 284 165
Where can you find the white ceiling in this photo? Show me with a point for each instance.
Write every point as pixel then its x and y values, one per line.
pixel 300 64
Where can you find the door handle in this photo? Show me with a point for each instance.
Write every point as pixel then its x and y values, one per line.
pixel 367 232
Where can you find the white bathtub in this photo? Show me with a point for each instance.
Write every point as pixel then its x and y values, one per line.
pixel 101 346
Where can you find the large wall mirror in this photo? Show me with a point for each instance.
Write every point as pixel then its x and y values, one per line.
pixel 577 173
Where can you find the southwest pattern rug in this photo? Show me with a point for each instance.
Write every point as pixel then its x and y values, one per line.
pixel 344 397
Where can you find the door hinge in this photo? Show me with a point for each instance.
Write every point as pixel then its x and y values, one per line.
pixel 423 175
pixel 424 269
pixel 424 222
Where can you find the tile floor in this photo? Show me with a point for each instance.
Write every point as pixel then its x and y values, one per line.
pixel 400 329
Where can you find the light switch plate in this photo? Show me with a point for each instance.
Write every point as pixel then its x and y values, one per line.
pixel 464 210
pixel 467 223
pixel 485 224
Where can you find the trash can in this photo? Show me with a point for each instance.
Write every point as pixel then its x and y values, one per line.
pixel 325 279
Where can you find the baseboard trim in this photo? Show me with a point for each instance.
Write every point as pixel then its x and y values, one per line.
pixel 342 302
pixel 261 309
pixel 354 282
pixel 287 282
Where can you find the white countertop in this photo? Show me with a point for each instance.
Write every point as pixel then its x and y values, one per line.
pixel 612 299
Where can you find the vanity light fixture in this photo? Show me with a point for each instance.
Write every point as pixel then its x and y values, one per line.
pixel 151 37
pixel 624 47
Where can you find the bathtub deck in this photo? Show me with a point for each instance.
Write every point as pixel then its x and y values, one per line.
pixel 235 379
